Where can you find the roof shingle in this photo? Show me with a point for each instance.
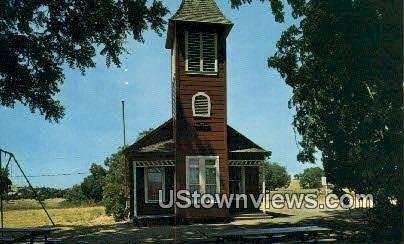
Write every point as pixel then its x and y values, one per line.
pixel 205 11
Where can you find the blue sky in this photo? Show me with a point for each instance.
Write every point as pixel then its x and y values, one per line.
pixel 92 128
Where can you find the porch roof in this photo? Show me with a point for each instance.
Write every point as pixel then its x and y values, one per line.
pixel 159 144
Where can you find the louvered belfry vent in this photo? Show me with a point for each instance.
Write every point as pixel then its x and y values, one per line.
pixel 201 105
pixel 201 52
pixel 194 52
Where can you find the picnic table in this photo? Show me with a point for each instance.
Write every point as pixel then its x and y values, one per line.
pixel 268 233
pixel 13 235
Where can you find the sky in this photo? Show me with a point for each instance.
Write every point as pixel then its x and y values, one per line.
pixel 92 127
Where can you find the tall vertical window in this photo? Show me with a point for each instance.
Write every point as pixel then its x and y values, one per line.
pixel 154 181
pixel 203 174
pixel 201 52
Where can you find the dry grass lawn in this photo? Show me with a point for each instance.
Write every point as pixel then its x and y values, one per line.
pixel 83 216
pixel 28 213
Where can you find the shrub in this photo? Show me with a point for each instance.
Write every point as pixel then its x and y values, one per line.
pixel 311 178
pixel 276 176
pixel 75 195
pixel 113 190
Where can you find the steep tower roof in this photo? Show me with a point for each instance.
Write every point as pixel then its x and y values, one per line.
pixel 199 11
pixel 205 11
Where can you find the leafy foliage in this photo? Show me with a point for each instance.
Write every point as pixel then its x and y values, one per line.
pixel 38 37
pixel 343 60
pixel 5 182
pixel 114 197
pixel 75 195
pixel 276 176
pixel 144 133
pixel 92 184
pixel 26 192
pixel 114 188
pixel 276 7
pixel 311 178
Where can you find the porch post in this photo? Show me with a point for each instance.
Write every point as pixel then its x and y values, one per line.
pixel 263 189
pixel 134 191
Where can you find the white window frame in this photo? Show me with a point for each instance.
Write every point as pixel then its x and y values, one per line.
pixel 146 188
pixel 202 172
pixel 193 105
pixel 201 71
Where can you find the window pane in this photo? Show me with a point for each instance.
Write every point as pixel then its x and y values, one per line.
pixel 211 189
pixel 210 175
pixel 193 162
pixel 193 188
pixel 210 162
pixel 193 176
pixel 154 182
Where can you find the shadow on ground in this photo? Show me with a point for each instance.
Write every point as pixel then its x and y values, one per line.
pixel 347 227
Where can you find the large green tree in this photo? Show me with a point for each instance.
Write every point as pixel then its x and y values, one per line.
pixel 37 37
pixel 92 184
pixel 344 63
pixel 343 60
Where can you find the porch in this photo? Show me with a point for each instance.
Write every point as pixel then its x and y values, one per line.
pixel 154 177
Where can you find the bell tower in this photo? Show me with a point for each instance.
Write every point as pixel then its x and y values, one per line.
pixel 197 35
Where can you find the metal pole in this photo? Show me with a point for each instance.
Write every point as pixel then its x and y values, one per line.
pixel 33 190
pixel 123 123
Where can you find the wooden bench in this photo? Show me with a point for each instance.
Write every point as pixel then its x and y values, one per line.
pixel 16 235
pixel 300 232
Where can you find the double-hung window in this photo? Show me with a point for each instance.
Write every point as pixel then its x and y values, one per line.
pixel 202 174
pixel 201 52
pixel 154 181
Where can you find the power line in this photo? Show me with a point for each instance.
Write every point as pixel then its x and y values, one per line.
pixel 51 175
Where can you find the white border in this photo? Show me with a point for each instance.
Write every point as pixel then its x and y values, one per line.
pixel 146 189
pixel 193 104
pixel 202 172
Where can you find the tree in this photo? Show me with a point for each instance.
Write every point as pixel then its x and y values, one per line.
pixel 38 37
pixel 92 184
pixel 114 187
pixel 144 133
pixel 75 195
pixel 311 178
pixel 343 61
pixel 276 176
pixel 114 198
pixel 5 182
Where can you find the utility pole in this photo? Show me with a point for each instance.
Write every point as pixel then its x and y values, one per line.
pixel 123 123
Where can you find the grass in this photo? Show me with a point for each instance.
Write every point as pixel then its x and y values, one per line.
pixel 28 213
pixel 83 216
pixel 53 203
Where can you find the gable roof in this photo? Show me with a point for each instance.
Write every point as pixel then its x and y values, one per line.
pixel 160 142
pixel 205 11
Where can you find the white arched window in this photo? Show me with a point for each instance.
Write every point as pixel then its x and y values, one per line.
pixel 201 105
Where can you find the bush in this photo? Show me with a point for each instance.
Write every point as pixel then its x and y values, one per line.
pixel 276 176
pixel 5 182
pixel 92 184
pixel 75 195
pixel 114 187
pixel 311 178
